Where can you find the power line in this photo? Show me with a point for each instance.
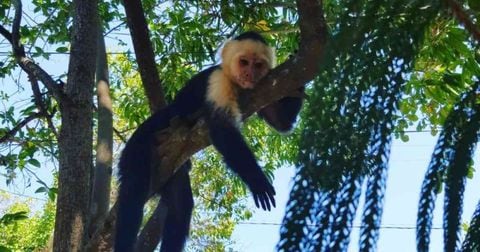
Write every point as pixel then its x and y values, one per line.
pixel 397 227
pixel 418 131
pixel 6 53
pixel 391 227
pixel 21 195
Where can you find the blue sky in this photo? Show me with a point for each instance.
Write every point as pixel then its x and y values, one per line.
pixel 408 164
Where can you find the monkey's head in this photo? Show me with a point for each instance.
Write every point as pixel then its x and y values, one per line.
pixel 246 59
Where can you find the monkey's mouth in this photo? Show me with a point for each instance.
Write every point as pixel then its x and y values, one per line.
pixel 247 84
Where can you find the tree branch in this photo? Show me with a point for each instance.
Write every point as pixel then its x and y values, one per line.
pixel 152 231
pixel 6 34
pixel 144 53
pixel 464 19
pixel 102 174
pixel 23 61
pixel 102 240
pixel 75 143
pixel 19 126
pixel 15 41
pixel 37 96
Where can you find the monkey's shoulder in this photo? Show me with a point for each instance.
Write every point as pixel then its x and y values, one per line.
pixel 195 89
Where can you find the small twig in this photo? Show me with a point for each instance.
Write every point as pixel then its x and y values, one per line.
pixel 37 96
pixel 114 28
pixel 119 135
pixel 36 176
pixel 19 126
pixel 116 131
pixel 6 34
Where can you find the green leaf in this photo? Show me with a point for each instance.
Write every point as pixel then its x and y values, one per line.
pixel 412 117
pixel 10 218
pixel 52 193
pixel 404 137
pixel 62 49
pixel 41 190
pixel 34 162
pixel 470 170
pixel 39 50
pixel 4 249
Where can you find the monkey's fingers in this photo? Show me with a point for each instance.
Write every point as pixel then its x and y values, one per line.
pixel 261 200
pixel 255 198
pixel 264 202
pixel 272 198
pixel 267 201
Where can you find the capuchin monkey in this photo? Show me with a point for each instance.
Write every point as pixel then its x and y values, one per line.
pixel 245 60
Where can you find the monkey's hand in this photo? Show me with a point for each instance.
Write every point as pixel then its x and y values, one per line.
pixel 263 193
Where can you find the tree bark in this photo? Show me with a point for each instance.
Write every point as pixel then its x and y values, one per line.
pixel 144 53
pixel 102 240
pixel 75 142
pixel 152 231
pixel 103 168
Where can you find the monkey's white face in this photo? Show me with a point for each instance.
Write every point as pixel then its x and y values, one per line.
pixel 246 62
pixel 248 69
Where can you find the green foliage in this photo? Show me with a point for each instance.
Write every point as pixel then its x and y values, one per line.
pixel 351 113
pixel 24 231
pixel 126 87
pixel 10 218
pixel 445 67
pixel 449 167
pixel 356 95
pixel 220 202
pixel 274 149
pixel 28 145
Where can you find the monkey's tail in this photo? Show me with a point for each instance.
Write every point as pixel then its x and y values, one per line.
pixel 134 171
pixel 133 193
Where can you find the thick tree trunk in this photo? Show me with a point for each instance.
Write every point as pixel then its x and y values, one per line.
pixel 75 142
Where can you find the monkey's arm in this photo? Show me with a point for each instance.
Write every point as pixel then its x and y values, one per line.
pixel 283 113
pixel 230 143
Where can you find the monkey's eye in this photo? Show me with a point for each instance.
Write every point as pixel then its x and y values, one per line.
pixel 243 62
pixel 258 65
